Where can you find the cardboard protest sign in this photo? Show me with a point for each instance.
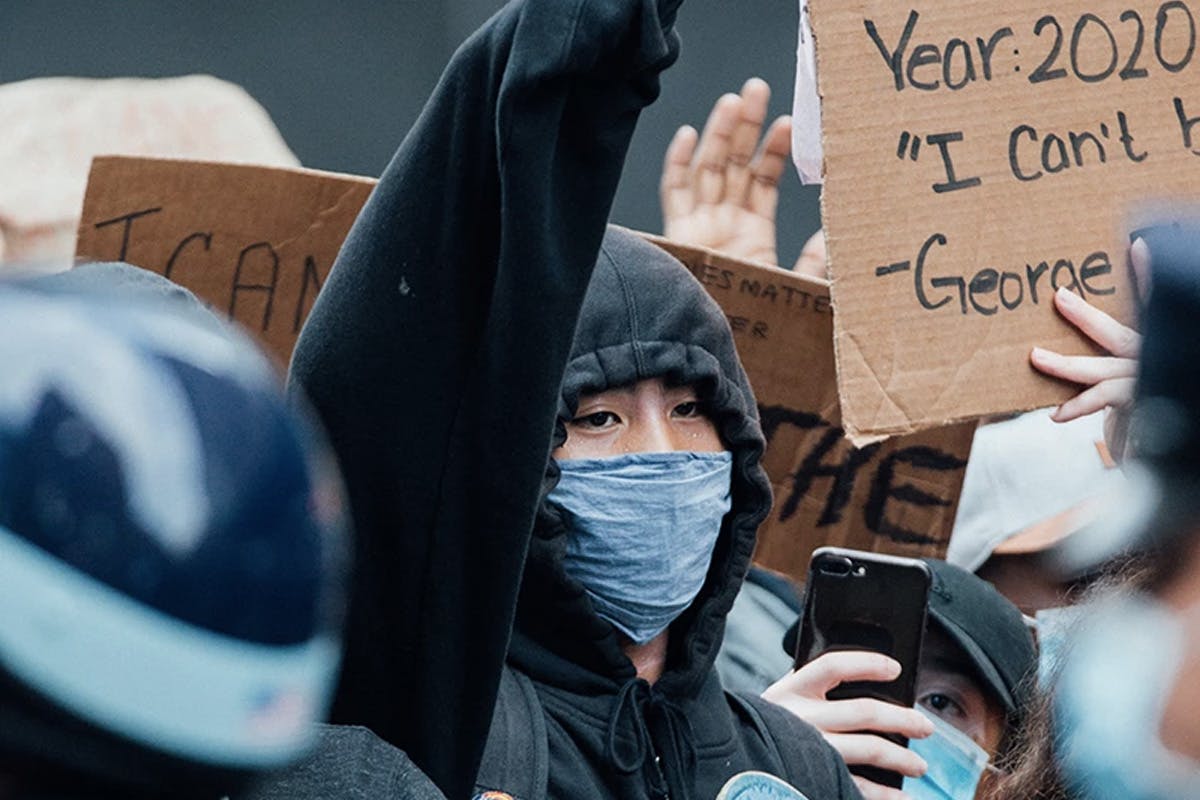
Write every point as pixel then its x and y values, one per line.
pixel 977 157
pixel 899 496
pixel 256 243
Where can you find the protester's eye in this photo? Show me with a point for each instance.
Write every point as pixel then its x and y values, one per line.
pixel 688 409
pixel 943 705
pixel 596 420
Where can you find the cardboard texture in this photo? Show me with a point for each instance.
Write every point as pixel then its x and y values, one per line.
pixel 899 496
pixel 979 155
pixel 255 243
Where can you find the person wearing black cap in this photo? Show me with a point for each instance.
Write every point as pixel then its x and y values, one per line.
pixel 979 633
pixel 978 667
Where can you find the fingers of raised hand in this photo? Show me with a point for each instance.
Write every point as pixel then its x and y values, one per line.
pixel 1115 392
pixel 1088 370
pixel 755 97
pixel 1110 379
pixel 812 261
pixel 866 749
pixel 713 152
pixel 1098 326
pixel 1139 259
pixel 762 193
pixel 676 192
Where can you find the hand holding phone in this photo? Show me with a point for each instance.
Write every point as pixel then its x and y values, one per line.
pixel 859 648
pixel 854 726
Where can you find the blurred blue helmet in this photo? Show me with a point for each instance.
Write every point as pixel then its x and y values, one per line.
pixel 172 541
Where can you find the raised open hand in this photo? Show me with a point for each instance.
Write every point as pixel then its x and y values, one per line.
pixel 720 189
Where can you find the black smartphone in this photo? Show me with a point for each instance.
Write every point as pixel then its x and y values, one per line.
pixel 856 600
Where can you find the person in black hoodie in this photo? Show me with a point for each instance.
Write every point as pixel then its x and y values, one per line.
pixel 436 355
pixel 653 497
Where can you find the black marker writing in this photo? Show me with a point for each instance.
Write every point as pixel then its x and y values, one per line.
pixel 268 288
pixel 952 182
pixel 206 238
pixel 1186 125
pixel 929 67
pixel 990 289
pixel 128 220
pixel 311 278
pixel 884 488
pixel 833 457
pixel 1059 153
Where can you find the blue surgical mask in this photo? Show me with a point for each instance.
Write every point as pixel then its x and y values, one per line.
pixel 1109 704
pixel 1054 627
pixel 955 764
pixel 641 532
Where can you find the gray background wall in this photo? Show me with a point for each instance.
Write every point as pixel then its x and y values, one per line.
pixel 344 81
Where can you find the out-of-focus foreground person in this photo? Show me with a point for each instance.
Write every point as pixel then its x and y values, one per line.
pixel 1127 706
pixel 172 540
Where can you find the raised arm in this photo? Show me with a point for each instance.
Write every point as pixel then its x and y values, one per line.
pixel 435 352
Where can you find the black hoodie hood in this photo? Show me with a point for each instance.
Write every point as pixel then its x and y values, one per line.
pixel 644 316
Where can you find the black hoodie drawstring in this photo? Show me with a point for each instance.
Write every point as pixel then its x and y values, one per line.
pixel 628 697
pixel 676 727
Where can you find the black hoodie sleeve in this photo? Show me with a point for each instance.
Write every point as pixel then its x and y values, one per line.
pixel 435 352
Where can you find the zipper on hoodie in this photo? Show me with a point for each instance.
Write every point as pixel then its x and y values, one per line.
pixel 659 789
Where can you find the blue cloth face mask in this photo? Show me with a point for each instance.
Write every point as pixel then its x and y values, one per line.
pixel 1109 703
pixel 955 764
pixel 641 532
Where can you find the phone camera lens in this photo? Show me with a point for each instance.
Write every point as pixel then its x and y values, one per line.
pixel 838 565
